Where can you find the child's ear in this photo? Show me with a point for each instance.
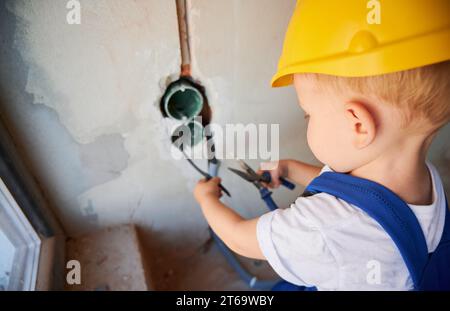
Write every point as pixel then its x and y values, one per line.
pixel 362 124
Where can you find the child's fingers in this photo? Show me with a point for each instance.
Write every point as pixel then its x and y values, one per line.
pixel 275 182
pixel 274 179
pixel 269 166
pixel 215 180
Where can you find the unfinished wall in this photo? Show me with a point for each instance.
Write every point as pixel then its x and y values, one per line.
pixel 84 102
pixel 83 99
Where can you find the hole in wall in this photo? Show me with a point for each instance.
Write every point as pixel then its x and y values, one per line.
pixel 186 100
pixel 182 101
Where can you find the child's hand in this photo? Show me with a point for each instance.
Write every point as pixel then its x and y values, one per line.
pixel 278 169
pixel 208 189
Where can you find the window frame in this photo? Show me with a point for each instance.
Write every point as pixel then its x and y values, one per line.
pixel 27 244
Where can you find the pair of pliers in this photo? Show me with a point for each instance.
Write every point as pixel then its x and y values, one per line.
pixel 251 176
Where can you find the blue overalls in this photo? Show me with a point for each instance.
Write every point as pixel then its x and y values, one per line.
pixel 428 271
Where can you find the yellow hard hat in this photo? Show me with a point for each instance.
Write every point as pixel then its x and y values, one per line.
pixel 356 38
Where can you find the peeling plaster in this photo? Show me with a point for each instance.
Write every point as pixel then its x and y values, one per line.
pixel 103 81
pixel 104 159
pixel 105 77
pixel 100 82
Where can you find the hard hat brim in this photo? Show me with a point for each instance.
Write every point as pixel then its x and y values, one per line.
pixel 387 58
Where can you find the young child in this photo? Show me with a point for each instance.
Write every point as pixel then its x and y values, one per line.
pixel 375 96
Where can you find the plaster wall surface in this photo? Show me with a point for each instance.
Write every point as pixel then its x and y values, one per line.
pixel 91 120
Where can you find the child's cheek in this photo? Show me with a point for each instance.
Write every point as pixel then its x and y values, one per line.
pixel 314 138
pixel 322 140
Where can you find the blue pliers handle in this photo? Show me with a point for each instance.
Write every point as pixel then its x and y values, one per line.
pixel 267 178
pixel 266 195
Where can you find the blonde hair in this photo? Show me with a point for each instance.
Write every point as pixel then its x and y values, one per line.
pixel 421 94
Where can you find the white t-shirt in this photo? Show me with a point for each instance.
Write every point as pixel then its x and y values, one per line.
pixel 326 242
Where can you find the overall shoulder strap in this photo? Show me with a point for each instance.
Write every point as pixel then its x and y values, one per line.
pixel 391 212
pixel 446 232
